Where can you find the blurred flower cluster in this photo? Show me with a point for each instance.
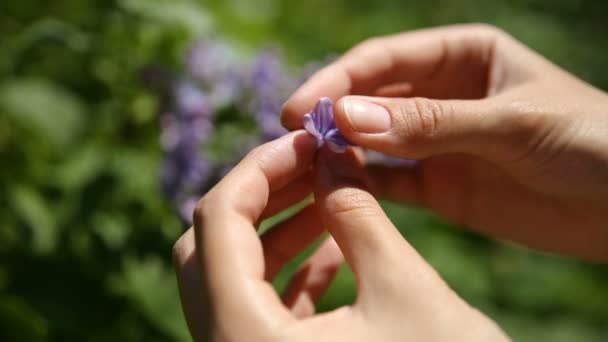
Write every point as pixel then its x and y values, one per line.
pixel 220 107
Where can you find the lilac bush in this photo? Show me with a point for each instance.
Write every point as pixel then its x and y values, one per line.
pixel 220 89
pixel 216 81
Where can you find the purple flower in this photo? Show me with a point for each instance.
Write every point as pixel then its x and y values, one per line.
pixel 219 87
pixel 268 80
pixel 209 60
pixel 320 124
pixel 191 101
pixel 213 66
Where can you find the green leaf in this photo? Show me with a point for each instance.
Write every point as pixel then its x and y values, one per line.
pixel 80 167
pixel 44 108
pixel 152 289
pixel 19 322
pixel 112 228
pixel 186 14
pixel 34 211
pixel 136 171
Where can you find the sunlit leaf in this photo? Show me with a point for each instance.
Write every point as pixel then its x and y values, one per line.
pixel 152 289
pixel 35 212
pixel 19 322
pixel 46 109
pixel 182 13
pixel 81 167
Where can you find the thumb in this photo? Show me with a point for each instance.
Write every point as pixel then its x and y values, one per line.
pixel 420 127
pixel 373 247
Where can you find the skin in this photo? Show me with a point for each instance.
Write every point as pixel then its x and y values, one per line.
pixel 508 144
pixel 225 269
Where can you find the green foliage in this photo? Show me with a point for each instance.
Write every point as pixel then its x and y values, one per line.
pixel 85 236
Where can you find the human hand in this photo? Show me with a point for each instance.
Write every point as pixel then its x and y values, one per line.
pixel 508 144
pixel 229 297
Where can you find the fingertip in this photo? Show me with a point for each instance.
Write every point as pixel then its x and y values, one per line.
pixel 341 118
pixel 332 81
pixel 292 114
pixel 299 103
pixel 304 144
pixel 286 158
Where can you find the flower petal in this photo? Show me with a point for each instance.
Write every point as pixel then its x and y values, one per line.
pixel 337 148
pixel 325 111
pixel 309 125
pixel 336 141
pixel 320 124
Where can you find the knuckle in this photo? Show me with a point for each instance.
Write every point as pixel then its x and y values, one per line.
pixel 255 153
pixel 534 134
pixel 264 155
pixel 368 44
pixel 485 28
pixel 418 119
pixel 201 210
pixel 525 118
pixel 179 250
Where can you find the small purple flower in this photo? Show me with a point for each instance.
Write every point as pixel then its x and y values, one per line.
pixel 320 124
pixel 191 101
pixel 215 89
pixel 268 80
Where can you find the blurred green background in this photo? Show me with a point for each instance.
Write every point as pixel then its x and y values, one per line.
pixel 85 235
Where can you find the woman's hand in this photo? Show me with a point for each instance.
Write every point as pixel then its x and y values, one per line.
pixel 229 296
pixel 509 144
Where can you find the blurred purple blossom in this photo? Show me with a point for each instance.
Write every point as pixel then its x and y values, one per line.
pixel 269 81
pixel 208 60
pixel 183 130
pixel 216 81
pixel 320 124
pixel 213 66
pixel 206 105
pixel 191 101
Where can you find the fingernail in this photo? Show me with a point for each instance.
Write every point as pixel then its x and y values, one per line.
pixel 367 117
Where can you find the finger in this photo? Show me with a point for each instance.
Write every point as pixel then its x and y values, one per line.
pixel 285 241
pixel 226 241
pixel 477 195
pixel 288 196
pixel 195 303
pixel 402 89
pixel 372 246
pixel 313 278
pixel 419 127
pixel 402 184
pixel 455 58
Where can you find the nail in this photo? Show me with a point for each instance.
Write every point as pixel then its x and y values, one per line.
pixel 366 117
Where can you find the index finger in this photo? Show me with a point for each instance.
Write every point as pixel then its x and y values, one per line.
pixel 416 56
pixel 227 243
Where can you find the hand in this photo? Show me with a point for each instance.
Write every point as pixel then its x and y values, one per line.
pixel 230 298
pixel 509 144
